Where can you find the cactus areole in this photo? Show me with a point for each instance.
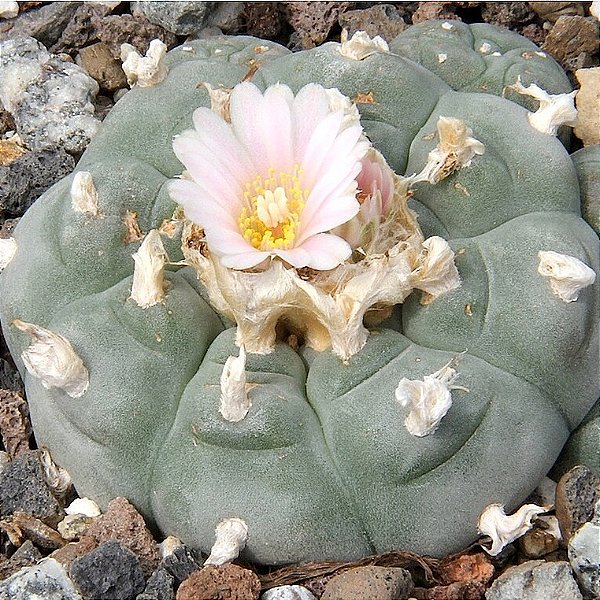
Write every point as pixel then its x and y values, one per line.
pixel 336 295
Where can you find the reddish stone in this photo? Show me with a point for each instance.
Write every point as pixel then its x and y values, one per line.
pixel 467 567
pixel 122 522
pixel 227 582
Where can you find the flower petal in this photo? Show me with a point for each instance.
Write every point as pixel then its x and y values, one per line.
pixel 244 260
pixel 326 251
pixel 263 125
pixel 337 211
pixel 311 106
pixel 199 206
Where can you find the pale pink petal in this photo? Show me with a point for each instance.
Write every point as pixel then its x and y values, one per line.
pixel 311 105
pixel 278 127
pixel 244 260
pixel 326 251
pixel 263 126
pixel 319 146
pixel 199 206
pixel 225 242
pixel 330 215
pixel 332 189
pixel 207 171
pixel 297 257
pixel 214 132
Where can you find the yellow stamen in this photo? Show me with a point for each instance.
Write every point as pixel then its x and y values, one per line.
pixel 273 207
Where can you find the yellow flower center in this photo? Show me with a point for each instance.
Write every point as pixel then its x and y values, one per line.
pixel 274 205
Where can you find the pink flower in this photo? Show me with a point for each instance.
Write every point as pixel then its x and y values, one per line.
pixel 276 179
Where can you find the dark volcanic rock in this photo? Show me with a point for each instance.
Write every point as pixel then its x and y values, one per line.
pixel 159 587
pixel 109 572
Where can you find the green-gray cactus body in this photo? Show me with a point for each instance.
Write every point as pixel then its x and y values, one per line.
pixel 322 467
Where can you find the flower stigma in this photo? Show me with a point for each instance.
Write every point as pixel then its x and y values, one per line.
pixel 274 205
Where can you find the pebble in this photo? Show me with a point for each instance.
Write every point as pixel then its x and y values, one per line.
pixel 288 592
pixel 23 488
pixel 100 64
pixel 15 426
pixel 511 15
pixel 552 11
pixel 312 21
pixel 29 176
pixel 181 18
pixel 20 526
pixel 69 552
pixel 587 126
pixel 460 590
pixel 573 42
pixel 369 583
pixel 122 522
pixel 72 527
pixel 45 23
pixel 584 555
pixel 180 563
pixel 47 580
pixel 535 580
pixel 435 10
pixel 50 99
pixel 382 19
pixel 10 379
pixel 109 572
pixel 467 567
pixel 26 555
pixel 224 582
pixel 80 31
pixel 159 586
pixel 264 20
pixel 576 495
pixel 7 123
pixel 538 542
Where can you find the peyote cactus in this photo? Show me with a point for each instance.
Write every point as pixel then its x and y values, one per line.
pixel 333 451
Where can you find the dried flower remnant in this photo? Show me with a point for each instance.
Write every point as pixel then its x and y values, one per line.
pixel 84 197
pixel 57 478
pixel 148 277
pixel 231 535
pixel 144 71
pixel 428 400
pixel 554 110
pixel 235 402
pixel 52 359
pixel 361 45
pixel 503 528
pixel 8 249
pixel 567 274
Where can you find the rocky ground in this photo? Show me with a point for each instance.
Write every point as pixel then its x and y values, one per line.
pixel 115 555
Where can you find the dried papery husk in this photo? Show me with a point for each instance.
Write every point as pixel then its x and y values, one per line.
pixel 455 150
pixel 219 100
pixel 8 249
pixel 52 359
pixel 235 402
pixel 326 308
pixel 567 274
pixel 231 535
pixel 361 45
pixel 554 109
pixel 504 529
pixel 57 478
pixel 148 287
pixel 144 71
pixel 84 197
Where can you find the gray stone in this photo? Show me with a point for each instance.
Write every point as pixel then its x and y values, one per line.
pixel 535 580
pixel 45 24
pixel 47 580
pixel 27 178
pixel 382 19
pixel 227 16
pixel 109 572
pixel 576 495
pixel 9 376
pixel 181 18
pixel 23 488
pixel 288 592
pixel 584 555
pixel 50 99
pixel 369 583
pixel 180 563
pixel 158 587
